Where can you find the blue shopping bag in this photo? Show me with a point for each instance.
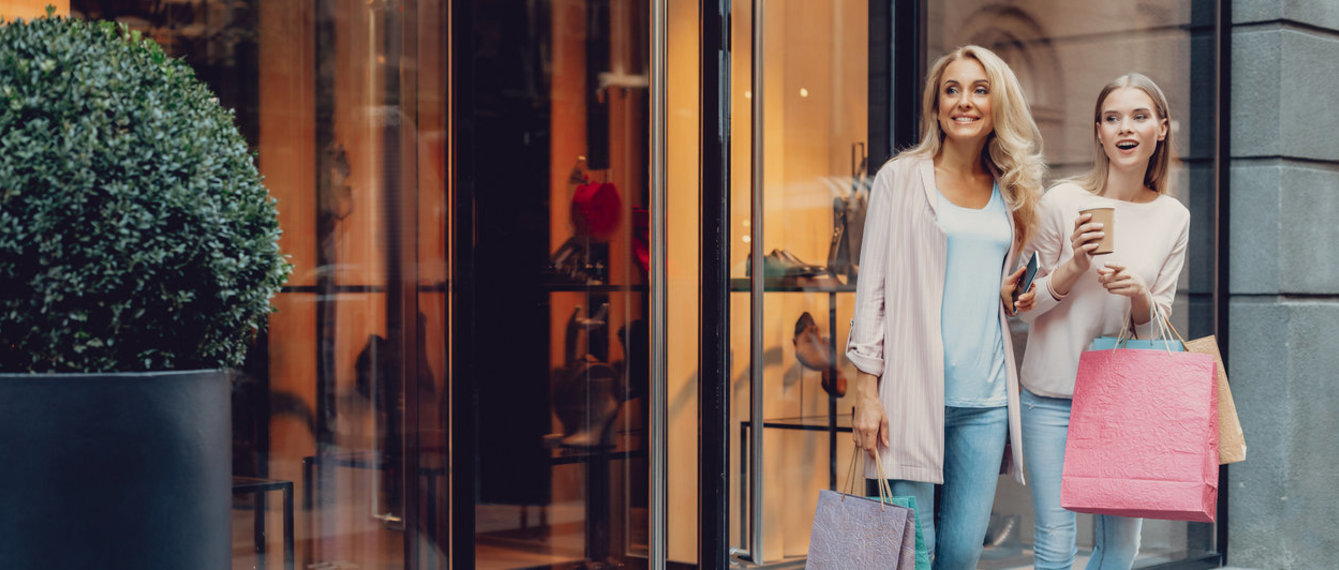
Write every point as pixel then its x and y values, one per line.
pixel 1110 342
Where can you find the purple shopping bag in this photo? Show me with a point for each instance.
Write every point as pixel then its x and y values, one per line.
pixel 851 532
pixel 1143 436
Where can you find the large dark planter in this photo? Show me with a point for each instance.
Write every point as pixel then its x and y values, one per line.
pixel 110 471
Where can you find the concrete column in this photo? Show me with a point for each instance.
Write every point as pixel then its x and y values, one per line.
pixel 1284 286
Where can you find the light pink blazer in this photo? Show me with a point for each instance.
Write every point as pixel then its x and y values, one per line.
pixel 895 333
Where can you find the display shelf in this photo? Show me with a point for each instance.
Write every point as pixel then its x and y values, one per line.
pixel 626 445
pixel 584 288
pixel 744 285
pixel 807 423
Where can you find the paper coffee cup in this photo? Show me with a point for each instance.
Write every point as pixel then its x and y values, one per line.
pixel 1107 217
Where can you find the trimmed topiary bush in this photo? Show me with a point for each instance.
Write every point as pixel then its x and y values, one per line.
pixel 135 233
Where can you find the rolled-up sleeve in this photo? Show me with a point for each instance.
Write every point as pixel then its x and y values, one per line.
pixel 864 344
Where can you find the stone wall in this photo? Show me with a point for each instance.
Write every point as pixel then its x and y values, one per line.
pixel 1284 282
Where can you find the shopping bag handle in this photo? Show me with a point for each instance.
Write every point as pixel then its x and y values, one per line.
pixel 1163 326
pixel 885 491
pixel 1168 326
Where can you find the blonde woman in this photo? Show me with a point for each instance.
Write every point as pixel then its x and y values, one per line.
pixel 1079 296
pixel 937 391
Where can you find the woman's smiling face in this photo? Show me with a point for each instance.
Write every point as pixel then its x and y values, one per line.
pixel 964 101
pixel 1129 128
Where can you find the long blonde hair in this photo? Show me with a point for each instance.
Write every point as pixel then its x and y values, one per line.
pixel 1155 177
pixel 1013 149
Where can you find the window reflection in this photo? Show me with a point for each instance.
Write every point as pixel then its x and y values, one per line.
pixel 1064 52
pixel 344 395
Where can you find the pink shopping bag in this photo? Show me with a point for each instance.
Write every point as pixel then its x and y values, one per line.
pixel 1143 436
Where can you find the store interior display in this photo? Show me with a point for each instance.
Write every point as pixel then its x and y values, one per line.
pixel 848 219
pixel 578 261
pixel 783 269
pixel 587 390
pixel 814 352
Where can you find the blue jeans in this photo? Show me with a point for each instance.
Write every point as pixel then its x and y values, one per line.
pixel 973 448
pixel 1045 424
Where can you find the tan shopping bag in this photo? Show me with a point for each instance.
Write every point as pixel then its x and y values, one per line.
pixel 1231 440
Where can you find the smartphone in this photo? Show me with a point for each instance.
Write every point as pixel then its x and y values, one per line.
pixel 1028 276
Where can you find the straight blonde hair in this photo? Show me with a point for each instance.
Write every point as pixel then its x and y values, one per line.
pixel 1155 177
pixel 1013 149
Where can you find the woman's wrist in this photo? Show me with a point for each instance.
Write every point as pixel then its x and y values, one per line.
pixel 866 386
pixel 1141 308
pixel 1063 278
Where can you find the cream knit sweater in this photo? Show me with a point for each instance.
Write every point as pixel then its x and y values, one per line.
pixel 1150 242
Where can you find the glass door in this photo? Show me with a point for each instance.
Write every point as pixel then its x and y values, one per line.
pixel 801 124
pixel 550 396
pixel 339 442
pixel 1063 53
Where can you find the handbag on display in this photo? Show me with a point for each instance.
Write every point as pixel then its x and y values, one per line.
pixel 851 532
pixel 1143 433
pixel 596 209
pixel 848 220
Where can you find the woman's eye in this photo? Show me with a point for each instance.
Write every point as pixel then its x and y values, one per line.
pixel 1110 118
pixel 1140 117
pixel 951 91
pixel 982 91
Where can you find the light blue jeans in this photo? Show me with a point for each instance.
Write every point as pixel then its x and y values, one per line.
pixel 1045 424
pixel 973 448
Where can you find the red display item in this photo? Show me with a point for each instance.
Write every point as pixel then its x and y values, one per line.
pixel 596 208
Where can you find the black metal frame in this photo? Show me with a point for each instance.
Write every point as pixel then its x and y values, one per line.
pixel 1222 199
pixel 908 29
pixel 714 308
pixel 461 418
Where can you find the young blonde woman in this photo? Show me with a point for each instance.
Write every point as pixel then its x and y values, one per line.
pixel 1079 296
pixel 937 391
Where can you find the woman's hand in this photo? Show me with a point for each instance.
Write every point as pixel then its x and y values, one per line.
pixel 1119 281
pixel 869 423
pixel 1025 301
pixel 1085 239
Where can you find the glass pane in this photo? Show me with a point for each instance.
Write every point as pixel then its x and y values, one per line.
pixel 557 191
pixel 344 104
pixel 813 151
pixel 1063 53
pixel 682 278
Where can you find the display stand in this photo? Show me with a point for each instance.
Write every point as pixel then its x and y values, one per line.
pixel 258 487
pixel 597 461
pixel 830 424
pixel 598 458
